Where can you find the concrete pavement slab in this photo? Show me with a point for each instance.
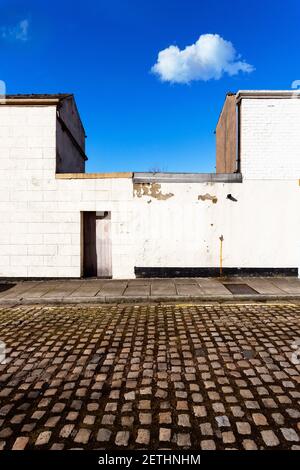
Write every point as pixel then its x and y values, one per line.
pixel 139 282
pixel 112 288
pixel 290 286
pixel 213 287
pixel 163 288
pixel 63 289
pixel 264 286
pixel 37 291
pixel 137 291
pixel 88 289
pixel 188 289
pixel 19 289
pixel 188 280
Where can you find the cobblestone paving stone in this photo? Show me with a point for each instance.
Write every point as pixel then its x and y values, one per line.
pixel 160 377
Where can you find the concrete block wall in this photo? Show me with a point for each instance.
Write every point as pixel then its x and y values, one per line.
pixel 27 165
pixel 40 216
pixel 270 138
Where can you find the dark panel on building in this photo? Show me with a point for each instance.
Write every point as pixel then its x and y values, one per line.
pixel 143 272
pixel 89 244
pixel 226 137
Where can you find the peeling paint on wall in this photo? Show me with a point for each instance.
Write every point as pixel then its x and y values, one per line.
pixel 208 197
pixel 150 189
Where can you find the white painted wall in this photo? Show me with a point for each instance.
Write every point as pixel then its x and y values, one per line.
pixel 270 138
pixel 40 232
pixel 261 229
pixel 27 166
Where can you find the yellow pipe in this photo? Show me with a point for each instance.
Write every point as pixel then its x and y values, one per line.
pixel 221 255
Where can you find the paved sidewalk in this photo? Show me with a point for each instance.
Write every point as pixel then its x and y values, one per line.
pixel 150 290
pixel 153 377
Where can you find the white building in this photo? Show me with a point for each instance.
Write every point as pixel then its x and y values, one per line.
pixel 58 221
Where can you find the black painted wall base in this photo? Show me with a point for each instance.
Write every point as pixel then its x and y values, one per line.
pixel 213 272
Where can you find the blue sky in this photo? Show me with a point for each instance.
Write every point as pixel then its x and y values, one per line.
pixel 103 52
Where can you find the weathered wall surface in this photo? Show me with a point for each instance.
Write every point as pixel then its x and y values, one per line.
pixel 260 229
pixel 270 138
pixel 226 142
pixel 68 158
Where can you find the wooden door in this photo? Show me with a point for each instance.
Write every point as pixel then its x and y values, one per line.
pixel 103 244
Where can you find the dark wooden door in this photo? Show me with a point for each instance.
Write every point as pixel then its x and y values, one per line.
pixel 89 243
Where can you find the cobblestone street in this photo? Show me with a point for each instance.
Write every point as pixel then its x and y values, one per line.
pixel 205 376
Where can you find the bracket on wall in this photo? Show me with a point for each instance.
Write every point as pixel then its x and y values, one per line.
pixel 231 198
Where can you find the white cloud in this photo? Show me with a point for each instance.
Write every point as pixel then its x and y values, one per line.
pixel 18 32
pixel 209 58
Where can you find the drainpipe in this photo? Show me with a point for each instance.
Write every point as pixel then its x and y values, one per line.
pixel 221 255
pixel 238 153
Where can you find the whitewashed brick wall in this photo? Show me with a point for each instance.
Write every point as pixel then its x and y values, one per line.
pixel 270 138
pixel 27 163
pixel 40 227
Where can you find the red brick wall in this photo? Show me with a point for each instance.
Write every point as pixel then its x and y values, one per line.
pixel 226 140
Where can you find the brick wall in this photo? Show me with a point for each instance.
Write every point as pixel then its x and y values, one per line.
pixel 40 222
pixel 226 142
pixel 27 165
pixel 270 139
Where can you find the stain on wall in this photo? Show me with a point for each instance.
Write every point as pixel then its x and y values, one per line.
pixel 207 197
pixel 150 189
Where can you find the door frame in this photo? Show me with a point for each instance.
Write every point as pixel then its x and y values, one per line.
pixel 88 223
